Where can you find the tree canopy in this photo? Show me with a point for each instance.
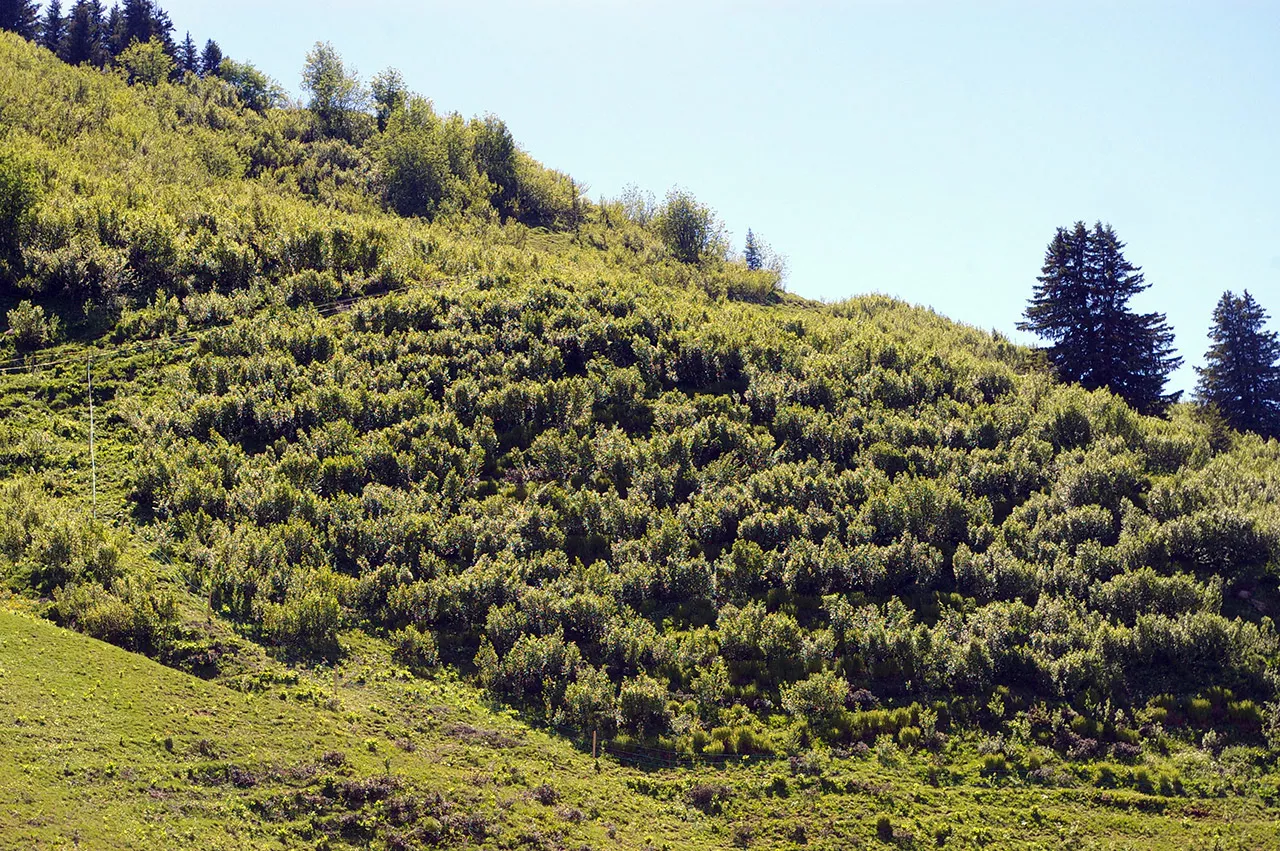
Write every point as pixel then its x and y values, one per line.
pixel 1241 375
pixel 338 98
pixel 689 228
pixel 1081 304
pixel 21 17
pixel 53 26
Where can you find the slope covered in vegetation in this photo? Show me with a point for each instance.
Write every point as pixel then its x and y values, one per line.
pixel 632 496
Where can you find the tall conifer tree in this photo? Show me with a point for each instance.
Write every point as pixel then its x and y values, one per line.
pixel 1241 375
pixel 752 254
pixel 83 41
pixel 138 23
pixel 21 17
pixel 188 57
pixel 113 32
pixel 1081 306
pixel 210 58
pixel 53 27
pixel 162 29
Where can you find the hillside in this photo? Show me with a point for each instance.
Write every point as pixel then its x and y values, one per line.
pixel 512 443
pixel 108 750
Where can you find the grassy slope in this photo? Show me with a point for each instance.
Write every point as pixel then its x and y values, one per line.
pixel 106 747
pixel 85 759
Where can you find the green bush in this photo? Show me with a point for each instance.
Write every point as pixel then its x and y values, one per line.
pixel 415 648
pixel 994 764
pixel 642 706
pixel 29 328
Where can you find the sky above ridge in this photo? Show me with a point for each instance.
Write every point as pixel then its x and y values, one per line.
pixel 926 150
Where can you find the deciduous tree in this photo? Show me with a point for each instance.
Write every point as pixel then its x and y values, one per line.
pixel 389 94
pixel 255 89
pixel 337 95
pixel 689 229
pixel 146 62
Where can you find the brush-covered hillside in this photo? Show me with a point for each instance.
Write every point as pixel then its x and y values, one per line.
pixel 387 415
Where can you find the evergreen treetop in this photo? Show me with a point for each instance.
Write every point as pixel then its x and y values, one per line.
pixel 188 57
pixel 83 41
pixel 1241 376
pixel 210 58
pixel 1081 305
pixel 752 254
pixel 21 17
pixel 53 27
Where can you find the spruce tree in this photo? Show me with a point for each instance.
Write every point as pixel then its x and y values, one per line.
pixel 162 29
pixel 83 41
pixel 138 23
pixel 752 254
pixel 1059 310
pixel 113 32
pixel 210 58
pixel 54 27
pixel 1241 375
pixel 21 17
pixel 188 57
pixel 1081 306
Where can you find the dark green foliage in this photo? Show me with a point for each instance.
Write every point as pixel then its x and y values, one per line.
pixel 1081 306
pixel 752 254
pixel 21 17
pixel 19 192
pixel 389 94
pixel 53 27
pixel 85 39
pixel 426 161
pixel 1241 376
pixel 142 21
pixel 210 58
pixel 188 56
pixel 255 89
pixel 495 153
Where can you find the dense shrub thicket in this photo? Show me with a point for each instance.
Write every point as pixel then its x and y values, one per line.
pixel 657 511
pixel 563 461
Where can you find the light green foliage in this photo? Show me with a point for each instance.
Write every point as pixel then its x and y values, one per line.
pixel 689 228
pixel 19 192
pixel 349 757
pixel 642 706
pixel 389 95
pixel 29 327
pixel 538 447
pixel 426 162
pixel 146 63
pixel 819 698
pixel 338 97
pixel 254 89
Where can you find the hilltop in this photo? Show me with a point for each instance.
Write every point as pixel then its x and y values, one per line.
pixel 514 451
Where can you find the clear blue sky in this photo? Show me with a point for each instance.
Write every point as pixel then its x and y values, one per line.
pixel 925 150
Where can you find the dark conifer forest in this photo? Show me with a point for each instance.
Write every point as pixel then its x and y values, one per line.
pixel 356 404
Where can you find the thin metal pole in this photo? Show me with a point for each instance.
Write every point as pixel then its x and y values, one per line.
pixel 93 460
